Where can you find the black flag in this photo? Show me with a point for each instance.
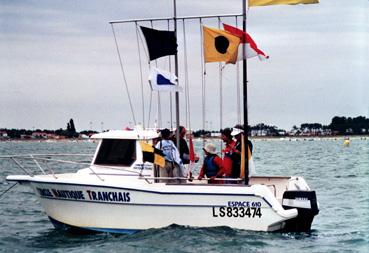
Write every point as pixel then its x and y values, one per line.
pixel 159 43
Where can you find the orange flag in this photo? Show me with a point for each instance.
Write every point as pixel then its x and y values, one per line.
pixel 220 46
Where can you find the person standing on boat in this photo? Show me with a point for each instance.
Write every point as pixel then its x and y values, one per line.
pixel 184 151
pixel 227 151
pixel 212 166
pixel 238 133
pixel 173 163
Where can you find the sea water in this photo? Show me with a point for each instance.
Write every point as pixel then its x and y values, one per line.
pixel 338 174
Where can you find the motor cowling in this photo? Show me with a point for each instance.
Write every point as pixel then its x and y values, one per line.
pixel 306 204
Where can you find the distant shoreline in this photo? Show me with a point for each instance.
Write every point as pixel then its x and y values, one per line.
pixel 288 138
pixel 312 137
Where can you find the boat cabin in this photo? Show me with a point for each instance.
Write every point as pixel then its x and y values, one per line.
pixel 121 148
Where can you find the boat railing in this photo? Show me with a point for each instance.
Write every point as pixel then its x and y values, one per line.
pixel 43 163
pixel 274 188
pixel 46 160
pixel 150 178
pixel 189 180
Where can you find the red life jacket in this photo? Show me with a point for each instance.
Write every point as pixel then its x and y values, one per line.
pixel 227 159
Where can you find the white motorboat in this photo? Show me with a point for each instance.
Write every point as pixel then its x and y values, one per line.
pixel 118 192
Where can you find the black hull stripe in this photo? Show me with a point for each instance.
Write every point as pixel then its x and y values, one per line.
pixel 136 204
pixel 147 191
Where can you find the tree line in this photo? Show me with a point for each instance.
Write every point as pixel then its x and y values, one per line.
pixel 338 126
pixel 343 125
pixel 69 132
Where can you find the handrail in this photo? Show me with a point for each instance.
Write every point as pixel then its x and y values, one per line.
pixel 40 157
pixel 38 165
pixel 52 171
pixel 191 179
pixel 274 187
pixel 20 166
pixel 36 158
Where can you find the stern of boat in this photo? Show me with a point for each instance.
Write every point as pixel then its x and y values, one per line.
pixel 293 193
pixel 307 207
pixel 300 196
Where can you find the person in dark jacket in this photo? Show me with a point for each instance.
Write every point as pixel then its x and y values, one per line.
pixel 237 132
pixel 184 151
pixel 227 151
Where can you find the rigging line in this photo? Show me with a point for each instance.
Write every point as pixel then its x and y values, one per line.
pixel 187 91
pixel 149 63
pixel 203 72
pixel 159 111
pixel 220 88
pixel 220 93
pixel 123 74
pixel 150 103
pixel 150 106
pixel 142 88
pixel 170 93
pixel 238 87
pixel 159 104
pixel 3 193
pixel 145 50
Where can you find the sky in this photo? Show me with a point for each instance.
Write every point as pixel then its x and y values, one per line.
pixel 59 61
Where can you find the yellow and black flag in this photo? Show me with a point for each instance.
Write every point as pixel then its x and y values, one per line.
pixel 220 45
pixel 159 43
pixel 151 154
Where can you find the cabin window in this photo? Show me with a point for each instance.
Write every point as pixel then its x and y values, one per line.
pixel 116 152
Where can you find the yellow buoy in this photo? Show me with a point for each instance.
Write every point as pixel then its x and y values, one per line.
pixel 346 142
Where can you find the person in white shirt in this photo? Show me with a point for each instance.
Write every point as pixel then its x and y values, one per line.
pixel 173 163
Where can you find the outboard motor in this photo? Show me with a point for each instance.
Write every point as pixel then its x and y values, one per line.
pixel 306 204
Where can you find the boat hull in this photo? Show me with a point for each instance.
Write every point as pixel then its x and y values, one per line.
pixel 126 210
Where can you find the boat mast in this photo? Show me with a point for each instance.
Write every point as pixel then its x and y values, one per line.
pixel 176 73
pixel 245 114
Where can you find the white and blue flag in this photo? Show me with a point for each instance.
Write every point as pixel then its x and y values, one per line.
pixel 161 80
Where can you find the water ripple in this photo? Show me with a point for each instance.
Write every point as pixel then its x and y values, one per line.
pixel 339 175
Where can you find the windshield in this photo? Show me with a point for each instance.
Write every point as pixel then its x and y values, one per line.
pixel 116 152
